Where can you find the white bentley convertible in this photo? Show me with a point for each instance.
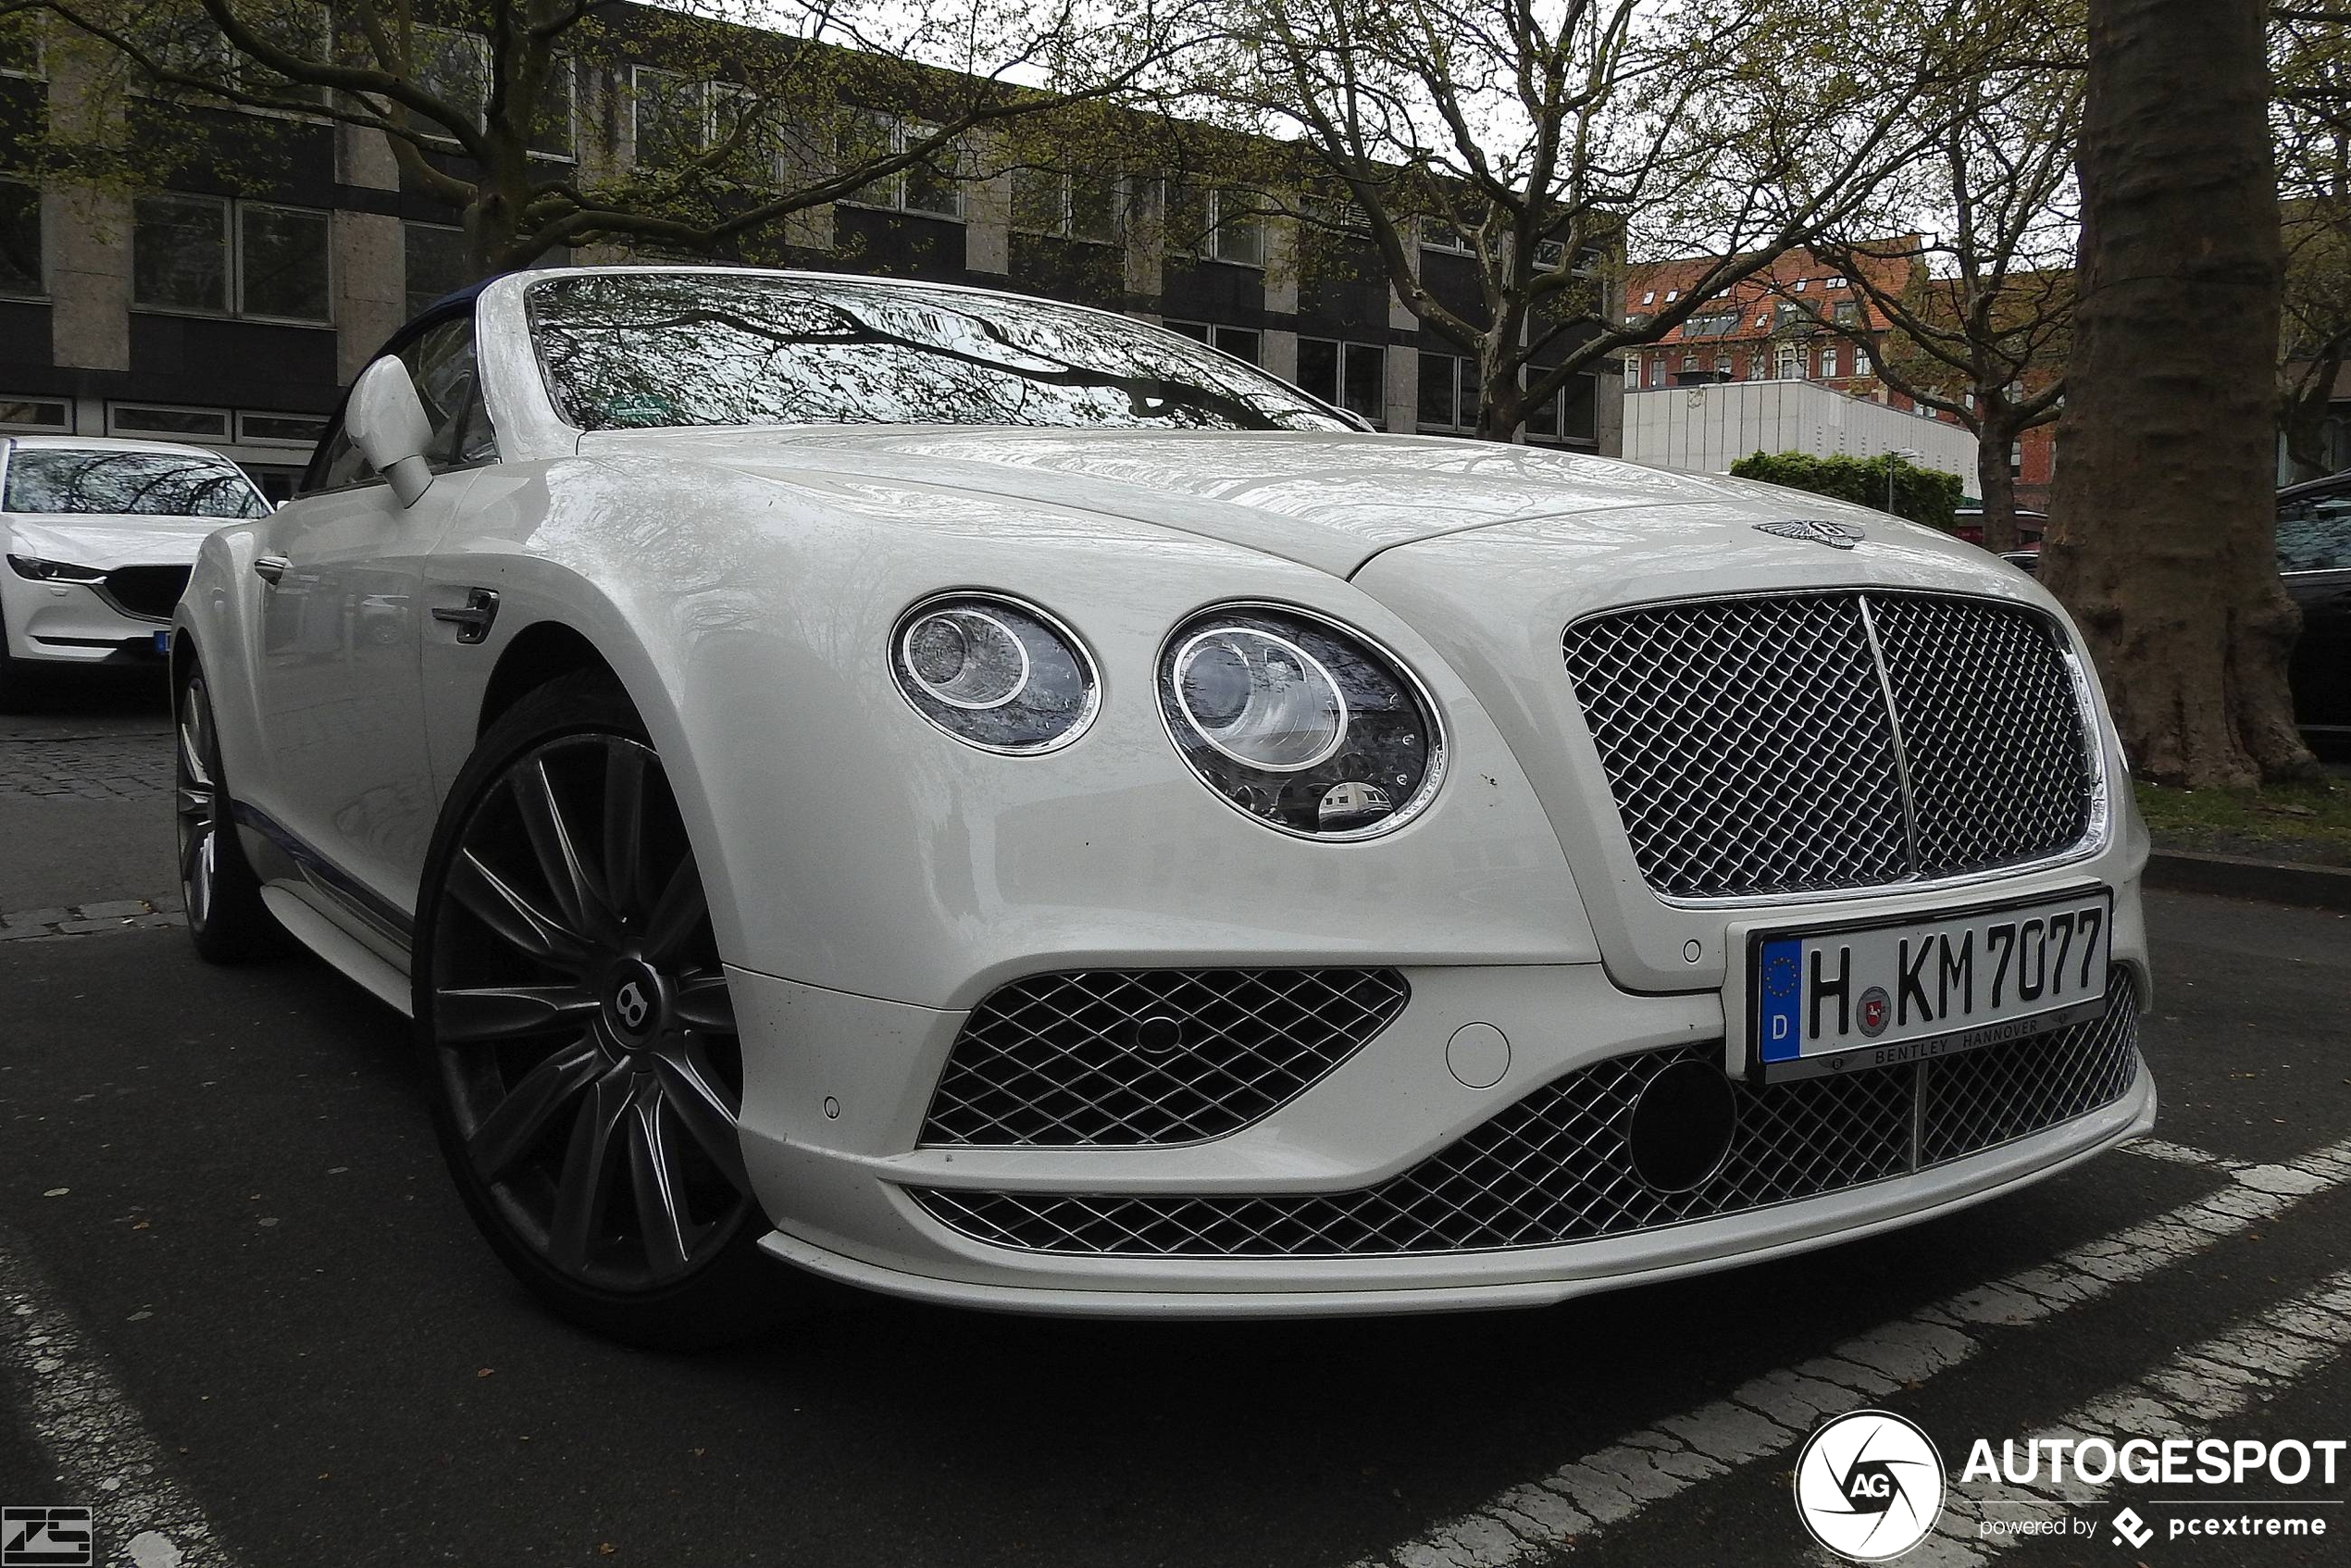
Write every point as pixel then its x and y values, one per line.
pixel 990 801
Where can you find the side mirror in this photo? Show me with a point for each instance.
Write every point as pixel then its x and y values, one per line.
pixel 386 421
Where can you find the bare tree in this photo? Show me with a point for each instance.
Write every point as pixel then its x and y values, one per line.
pixel 756 112
pixel 1983 315
pixel 1538 137
pixel 2310 118
pixel 2162 535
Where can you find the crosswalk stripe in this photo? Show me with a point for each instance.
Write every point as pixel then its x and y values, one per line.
pixel 105 1458
pixel 1772 1414
pixel 2185 1397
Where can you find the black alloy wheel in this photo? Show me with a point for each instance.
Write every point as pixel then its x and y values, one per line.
pixel 223 897
pixel 578 1036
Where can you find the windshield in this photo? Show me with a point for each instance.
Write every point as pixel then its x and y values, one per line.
pixel 146 484
pixel 630 351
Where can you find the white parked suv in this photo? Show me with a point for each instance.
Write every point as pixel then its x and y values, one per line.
pixel 99 535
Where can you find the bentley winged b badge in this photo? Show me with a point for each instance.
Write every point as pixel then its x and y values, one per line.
pixel 1819 530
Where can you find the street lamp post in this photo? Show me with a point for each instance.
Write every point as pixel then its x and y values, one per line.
pixel 1895 455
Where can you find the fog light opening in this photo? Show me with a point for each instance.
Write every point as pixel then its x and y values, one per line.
pixel 1679 1131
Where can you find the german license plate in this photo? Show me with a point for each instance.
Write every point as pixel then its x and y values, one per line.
pixel 1848 997
pixel 162 642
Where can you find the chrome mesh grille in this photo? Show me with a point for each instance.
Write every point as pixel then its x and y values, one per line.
pixel 1553 1167
pixel 1746 743
pixel 1072 1060
pixel 1751 748
pixel 1991 731
pixel 1981 1097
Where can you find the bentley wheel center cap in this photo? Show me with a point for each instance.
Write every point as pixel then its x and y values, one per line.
pixel 636 1003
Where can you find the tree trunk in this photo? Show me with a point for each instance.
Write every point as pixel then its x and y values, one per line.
pixel 2162 536
pixel 1996 484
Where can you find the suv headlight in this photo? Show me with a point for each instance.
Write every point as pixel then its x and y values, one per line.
pixel 1306 726
pixel 994 673
pixel 53 571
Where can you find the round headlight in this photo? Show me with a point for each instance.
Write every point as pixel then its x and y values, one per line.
pixel 994 673
pixel 1260 699
pixel 1299 722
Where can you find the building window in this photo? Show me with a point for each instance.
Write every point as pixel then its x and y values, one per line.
pixel 439 262
pixel 1067 206
pixel 1720 324
pixel 1828 362
pixel 1799 285
pixel 179 254
pixel 1650 298
pixel 1352 376
pixel 1846 313
pixel 1216 224
pixel 1440 393
pixel 147 419
pixel 1672 294
pixel 35 414
pixel 220 257
pixel 2016 459
pixel 453 65
pixel 1242 343
pixel 1196 330
pixel 186 40
pixel 1438 235
pixel 20 45
pixel 281 263
pixel 924 188
pixel 20 270
pixel 1790 367
pixel 555 135
pixel 1568 414
pixel 280 430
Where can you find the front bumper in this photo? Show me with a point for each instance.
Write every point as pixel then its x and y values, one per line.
pixel 73 623
pixel 837 1086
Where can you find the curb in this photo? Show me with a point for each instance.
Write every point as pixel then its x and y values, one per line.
pixel 2273 881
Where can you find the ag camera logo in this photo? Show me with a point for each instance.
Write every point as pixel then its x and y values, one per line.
pixel 1868 1485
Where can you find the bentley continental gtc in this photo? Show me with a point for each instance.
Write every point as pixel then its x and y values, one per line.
pixel 994 801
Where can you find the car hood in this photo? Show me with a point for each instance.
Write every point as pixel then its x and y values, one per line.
pixel 106 542
pixel 1329 500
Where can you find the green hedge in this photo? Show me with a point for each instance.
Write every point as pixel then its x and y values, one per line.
pixel 1923 495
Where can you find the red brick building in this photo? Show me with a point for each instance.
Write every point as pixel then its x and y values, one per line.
pixel 1783 324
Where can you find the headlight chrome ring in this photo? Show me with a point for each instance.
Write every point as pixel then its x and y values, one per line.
pixel 1300 722
pixel 995 672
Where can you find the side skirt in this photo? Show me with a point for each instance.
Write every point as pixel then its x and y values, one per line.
pixel 322 936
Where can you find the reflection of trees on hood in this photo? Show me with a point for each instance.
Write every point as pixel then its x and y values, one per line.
pixel 623 352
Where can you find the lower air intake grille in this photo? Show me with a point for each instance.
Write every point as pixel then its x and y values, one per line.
pixel 1554 1167
pixel 153 592
pixel 1129 1058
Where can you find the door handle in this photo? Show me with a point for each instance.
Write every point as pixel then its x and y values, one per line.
pixel 270 568
pixel 473 620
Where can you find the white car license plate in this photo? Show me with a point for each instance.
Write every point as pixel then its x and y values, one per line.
pixel 1845 998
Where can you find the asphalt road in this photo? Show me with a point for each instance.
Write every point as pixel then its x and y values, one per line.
pixel 259 1305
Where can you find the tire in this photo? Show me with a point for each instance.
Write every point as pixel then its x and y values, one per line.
pixel 577 1038
pixel 226 917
